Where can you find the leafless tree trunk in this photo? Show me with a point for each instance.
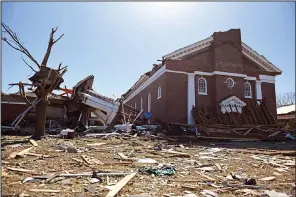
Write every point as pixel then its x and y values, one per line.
pixel 285 99
pixel 45 80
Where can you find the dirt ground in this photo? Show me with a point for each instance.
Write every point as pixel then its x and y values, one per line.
pixel 202 161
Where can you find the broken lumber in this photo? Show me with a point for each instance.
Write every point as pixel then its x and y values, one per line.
pixel 38 155
pixel 45 190
pixel 33 142
pixel 14 154
pixel 96 144
pixel 91 160
pixel 274 134
pixel 284 152
pixel 19 169
pixel 175 153
pixel 122 156
pixel 207 177
pixel 249 131
pixel 120 185
pixel 91 173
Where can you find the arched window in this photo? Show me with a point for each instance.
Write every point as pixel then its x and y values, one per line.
pixel 158 92
pixel 248 90
pixel 202 86
pixel 149 102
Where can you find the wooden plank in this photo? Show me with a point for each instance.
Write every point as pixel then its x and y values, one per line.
pixel 176 153
pixel 91 160
pixel 235 131
pixel 248 131
pixel 259 118
pixel 218 166
pixel 96 144
pixel 261 113
pixel 239 115
pixel 33 142
pixel 122 156
pixel 207 177
pixel 274 134
pixel 252 112
pixel 45 190
pixel 243 113
pixel 19 169
pixel 233 118
pixel 38 155
pixel 120 185
pixel 14 154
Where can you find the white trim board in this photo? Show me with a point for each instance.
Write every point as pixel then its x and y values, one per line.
pixel 157 74
pixel 267 78
pixel 259 58
pixel 13 103
pixel 161 71
pixel 189 49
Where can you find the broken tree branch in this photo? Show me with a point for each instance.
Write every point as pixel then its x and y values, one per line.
pixel 51 42
pixel 29 65
pixel 19 45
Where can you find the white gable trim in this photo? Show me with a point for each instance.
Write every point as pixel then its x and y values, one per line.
pixel 246 50
pixel 259 59
pixel 232 104
pixel 156 75
pixel 189 49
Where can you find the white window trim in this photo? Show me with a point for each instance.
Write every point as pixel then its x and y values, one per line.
pixel 206 86
pixel 149 103
pixel 250 90
pixel 141 103
pixel 159 92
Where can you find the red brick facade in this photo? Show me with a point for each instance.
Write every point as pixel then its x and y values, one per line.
pixel 225 55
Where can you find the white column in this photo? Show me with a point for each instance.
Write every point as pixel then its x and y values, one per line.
pixel 258 90
pixel 191 97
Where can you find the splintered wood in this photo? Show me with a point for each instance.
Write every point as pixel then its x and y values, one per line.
pixel 254 122
pixel 91 160
pixel 120 185
pixel 21 154
pixel 98 171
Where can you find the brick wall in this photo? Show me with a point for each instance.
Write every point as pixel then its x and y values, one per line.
pixel 177 95
pixel 158 106
pixel 227 51
pixel 224 54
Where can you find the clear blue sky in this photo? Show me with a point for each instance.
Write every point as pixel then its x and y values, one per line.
pixel 118 42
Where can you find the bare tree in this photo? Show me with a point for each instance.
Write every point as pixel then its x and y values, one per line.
pixel 44 81
pixel 285 99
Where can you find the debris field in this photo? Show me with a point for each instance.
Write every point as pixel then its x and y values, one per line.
pixel 131 165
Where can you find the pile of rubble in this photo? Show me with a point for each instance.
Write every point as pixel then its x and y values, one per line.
pixel 126 164
pixel 255 122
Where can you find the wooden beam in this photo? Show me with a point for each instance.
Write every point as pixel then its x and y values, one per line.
pixel 120 184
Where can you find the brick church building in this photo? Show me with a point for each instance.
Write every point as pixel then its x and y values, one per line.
pixel 213 72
